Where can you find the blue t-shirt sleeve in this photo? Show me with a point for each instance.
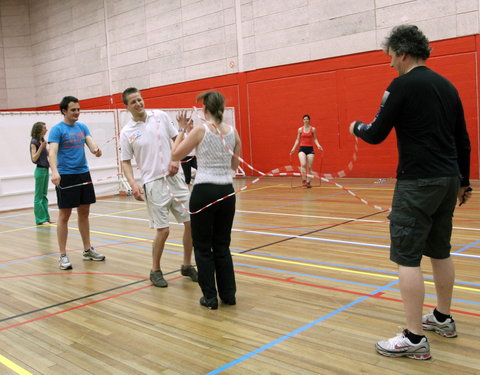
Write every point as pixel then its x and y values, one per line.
pixel 55 135
pixel 84 128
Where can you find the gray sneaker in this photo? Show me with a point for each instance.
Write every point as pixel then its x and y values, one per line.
pixel 190 271
pixel 401 346
pixel 91 254
pixel 445 329
pixel 64 262
pixel 156 277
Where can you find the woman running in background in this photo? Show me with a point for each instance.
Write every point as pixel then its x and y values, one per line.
pixel 306 137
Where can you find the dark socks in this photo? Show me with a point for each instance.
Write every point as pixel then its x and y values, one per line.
pixel 441 317
pixel 415 339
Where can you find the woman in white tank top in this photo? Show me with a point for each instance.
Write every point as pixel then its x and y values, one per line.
pixel 211 227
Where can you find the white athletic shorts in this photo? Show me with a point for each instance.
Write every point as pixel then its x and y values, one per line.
pixel 160 202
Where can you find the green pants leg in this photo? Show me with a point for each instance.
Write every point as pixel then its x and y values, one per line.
pixel 40 201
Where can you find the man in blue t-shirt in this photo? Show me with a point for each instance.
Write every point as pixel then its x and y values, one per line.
pixel 71 177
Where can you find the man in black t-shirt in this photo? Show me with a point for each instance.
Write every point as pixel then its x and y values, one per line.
pixel 433 172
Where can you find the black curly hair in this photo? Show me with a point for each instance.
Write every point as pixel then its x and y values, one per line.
pixel 408 39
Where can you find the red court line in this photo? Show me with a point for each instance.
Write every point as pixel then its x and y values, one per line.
pixel 288 280
pixel 73 273
pixel 376 295
pixel 79 306
pixel 70 251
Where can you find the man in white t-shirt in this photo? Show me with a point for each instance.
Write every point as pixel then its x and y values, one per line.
pixel 147 138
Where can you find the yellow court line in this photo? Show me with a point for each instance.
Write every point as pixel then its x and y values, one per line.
pixel 340 269
pixel 386 189
pixel 13 366
pixel 24 228
pixel 273 259
pixel 118 212
pixel 127 236
pixel 334 187
pixel 260 188
pixel 91 217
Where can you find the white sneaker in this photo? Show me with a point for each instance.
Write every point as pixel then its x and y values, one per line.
pixel 64 262
pixel 445 329
pixel 401 346
pixel 91 254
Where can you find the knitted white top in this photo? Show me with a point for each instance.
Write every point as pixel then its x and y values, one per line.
pixel 213 159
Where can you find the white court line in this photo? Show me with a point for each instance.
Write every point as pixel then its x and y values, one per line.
pixel 297 215
pixel 285 235
pixel 336 218
pixel 10 216
pixel 123 217
pixel 133 200
pixel 312 216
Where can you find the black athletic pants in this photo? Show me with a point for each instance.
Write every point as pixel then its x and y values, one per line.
pixel 211 230
pixel 187 164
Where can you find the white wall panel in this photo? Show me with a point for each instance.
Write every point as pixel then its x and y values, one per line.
pixel 203 39
pixel 265 8
pixel 414 11
pixel 167 76
pixel 155 21
pixel 199 24
pixel 281 56
pixel 438 28
pixel 281 21
pixel 464 6
pixel 129 58
pixel 165 33
pixel 168 48
pixel 344 45
pixel 130 75
pixel 206 69
pixel 343 25
pixel 467 23
pixel 201 9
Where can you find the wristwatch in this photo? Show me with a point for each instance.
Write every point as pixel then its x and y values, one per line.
pixel 181 129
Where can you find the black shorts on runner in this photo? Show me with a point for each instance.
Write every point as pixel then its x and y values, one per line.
pixel 307 150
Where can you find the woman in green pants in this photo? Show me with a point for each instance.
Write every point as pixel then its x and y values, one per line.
pixel 39 154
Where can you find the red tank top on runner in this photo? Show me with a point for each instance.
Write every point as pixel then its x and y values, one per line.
pixel 306 139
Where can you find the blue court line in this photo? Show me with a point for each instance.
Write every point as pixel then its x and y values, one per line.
pixel 305 275
pixel 49 255
pixel 48 229
pixel 341 265
pixel 233 251
pixel 453 299
pixel 318 262
pixel 348 282
pixel 474 244
pixel 297 331
pixel 324 231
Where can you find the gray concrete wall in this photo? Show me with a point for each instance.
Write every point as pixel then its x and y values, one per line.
pixel 91 48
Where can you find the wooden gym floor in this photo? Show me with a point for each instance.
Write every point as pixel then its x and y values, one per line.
pixel 316 290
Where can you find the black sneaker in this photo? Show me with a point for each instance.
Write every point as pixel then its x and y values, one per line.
pixel 156 277
pixel 190 271
pixel 211 303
